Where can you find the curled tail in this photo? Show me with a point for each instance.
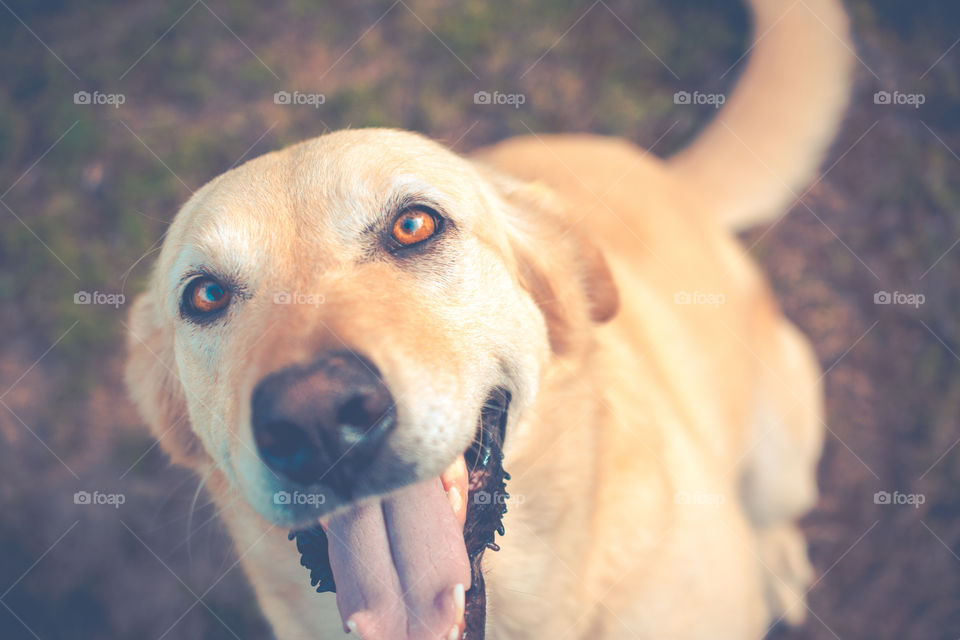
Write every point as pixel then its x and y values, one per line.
pixel 767 141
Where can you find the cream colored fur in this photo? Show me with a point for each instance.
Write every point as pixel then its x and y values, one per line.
pixel 661 451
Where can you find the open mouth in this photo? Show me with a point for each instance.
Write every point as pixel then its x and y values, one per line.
pixel 386 557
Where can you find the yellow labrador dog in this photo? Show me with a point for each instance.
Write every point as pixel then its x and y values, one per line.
pixel 367 342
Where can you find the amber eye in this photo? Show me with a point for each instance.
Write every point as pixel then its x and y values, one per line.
pixel 205 296
pixel 413 226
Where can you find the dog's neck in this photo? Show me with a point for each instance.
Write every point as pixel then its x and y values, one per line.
pixel 553 462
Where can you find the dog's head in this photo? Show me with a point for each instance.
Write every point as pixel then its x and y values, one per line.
pixel 330 320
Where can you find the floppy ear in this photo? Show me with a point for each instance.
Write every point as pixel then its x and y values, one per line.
pixel 564 272
pixel 155 387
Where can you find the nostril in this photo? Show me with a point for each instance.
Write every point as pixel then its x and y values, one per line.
pixel 283 445
pixel 358 415
pixel 354 412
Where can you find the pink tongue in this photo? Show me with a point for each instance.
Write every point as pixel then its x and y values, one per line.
pixel 396 561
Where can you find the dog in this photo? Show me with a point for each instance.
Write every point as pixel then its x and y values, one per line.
pixel 366 342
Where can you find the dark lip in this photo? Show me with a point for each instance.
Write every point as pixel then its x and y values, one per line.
pixel 484 520
pixel 492 422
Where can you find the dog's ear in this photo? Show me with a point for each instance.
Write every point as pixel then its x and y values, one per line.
pixel 557 263
pixel 154 386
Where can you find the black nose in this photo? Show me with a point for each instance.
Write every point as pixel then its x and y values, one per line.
pixel 323 422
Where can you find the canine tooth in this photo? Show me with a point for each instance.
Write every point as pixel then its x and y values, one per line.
pixel 456 471
pixel 459 603
pixel 352 626
pixel 454 633
pixel 455 498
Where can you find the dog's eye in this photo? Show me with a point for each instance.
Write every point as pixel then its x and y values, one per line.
pixel 413 226
pixel 204 296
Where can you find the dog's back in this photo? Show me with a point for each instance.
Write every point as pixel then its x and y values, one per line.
pixel 711 399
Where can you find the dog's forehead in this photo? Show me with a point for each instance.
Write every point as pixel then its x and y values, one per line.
pixel 369 168
pixel 336 183
pixel 323 193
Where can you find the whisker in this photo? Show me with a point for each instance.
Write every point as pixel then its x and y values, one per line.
pixel 193 505
pixel 477 440
pixel 526 593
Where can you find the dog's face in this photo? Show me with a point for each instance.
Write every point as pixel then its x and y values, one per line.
pixel 333 326
pixel 334 317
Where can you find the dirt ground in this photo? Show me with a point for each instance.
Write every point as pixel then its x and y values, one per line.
pixel 87 188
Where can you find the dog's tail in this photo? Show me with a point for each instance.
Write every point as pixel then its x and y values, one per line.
pixel 768 139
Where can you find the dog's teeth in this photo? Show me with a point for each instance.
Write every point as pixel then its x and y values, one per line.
pixel 454 633
pixel 459 603
pixel 352 628
pixel 455 498
pixel 455 472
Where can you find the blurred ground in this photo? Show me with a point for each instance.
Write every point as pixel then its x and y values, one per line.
pixel 87 191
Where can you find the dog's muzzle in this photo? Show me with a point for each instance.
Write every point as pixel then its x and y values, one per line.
pixel 402 565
